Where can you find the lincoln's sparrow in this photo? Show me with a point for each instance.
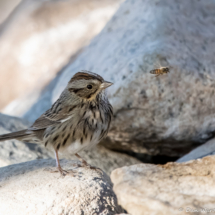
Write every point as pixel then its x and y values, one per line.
pixel 80 117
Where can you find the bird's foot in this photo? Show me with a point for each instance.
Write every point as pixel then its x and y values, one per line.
pixel 62 171
pixel 86 165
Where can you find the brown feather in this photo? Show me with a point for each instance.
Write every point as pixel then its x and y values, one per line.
pixel 42 123
pixel 51 118
pixel 14 135
pixel 87 76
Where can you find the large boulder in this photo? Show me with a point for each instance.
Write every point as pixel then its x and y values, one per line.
pixel 170 189
pixel 166 115
pixel 14 151
pixel 38 38
pixel 30 188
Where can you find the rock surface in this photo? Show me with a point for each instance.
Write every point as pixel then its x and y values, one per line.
pixel 204 150
pixel 168 115
pixel 27 188
pixel 40 37
pixel 14 151
pixel 174 188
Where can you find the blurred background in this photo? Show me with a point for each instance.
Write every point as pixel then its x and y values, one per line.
pixel 38 38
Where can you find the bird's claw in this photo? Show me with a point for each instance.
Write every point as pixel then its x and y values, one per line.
pixel 86 165
pixel 62 171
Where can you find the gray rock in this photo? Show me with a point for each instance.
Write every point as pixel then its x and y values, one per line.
pixel 202 151
pixel 170 189
pixel 12 123
pixel 29 188
pixel 168 115
pixel 14 151
pixel 106 159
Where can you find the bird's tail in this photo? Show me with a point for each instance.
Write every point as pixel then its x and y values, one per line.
pixel 14 135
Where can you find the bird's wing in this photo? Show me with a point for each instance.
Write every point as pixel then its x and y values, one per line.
pixel 43 122
pixel 54 116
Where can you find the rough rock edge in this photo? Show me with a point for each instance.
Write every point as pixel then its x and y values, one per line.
pixel 34 177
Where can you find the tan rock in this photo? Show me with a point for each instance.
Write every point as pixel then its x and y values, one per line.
pixel 174 188
pixel 28 188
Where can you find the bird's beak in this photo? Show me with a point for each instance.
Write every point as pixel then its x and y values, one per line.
pixel 105 85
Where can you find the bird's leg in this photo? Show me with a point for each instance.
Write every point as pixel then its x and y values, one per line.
pixel 62 172
pixel 59 168
pixel 85 164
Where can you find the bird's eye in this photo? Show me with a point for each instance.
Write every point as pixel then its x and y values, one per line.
pixel 89 86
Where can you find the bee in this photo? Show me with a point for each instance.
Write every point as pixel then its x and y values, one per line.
pixel 160 71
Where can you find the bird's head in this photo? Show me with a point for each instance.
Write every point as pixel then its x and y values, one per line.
pixel 87 85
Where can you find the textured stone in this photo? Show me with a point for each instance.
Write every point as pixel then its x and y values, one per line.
pixel 174 188
pixel 27 188
pixel 168 115
pixel 14 151
pixel 12 123
pixel 39 38
pixel 204 150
